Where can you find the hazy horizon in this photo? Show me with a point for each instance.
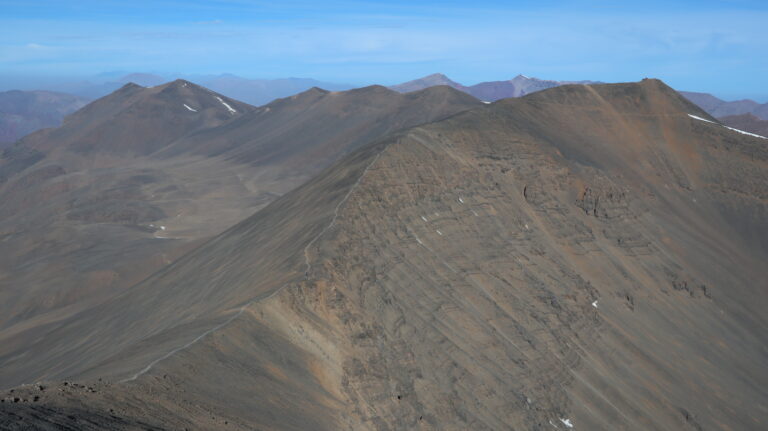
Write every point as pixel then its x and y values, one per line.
pixel 706 46
pixel 65 83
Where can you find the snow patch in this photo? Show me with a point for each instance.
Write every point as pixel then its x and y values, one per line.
pixel 566 422
pixel 746 133
pixel 487 103
pixel 229 108
pixel 423 218
pixel 474 212
pixel 461 200
pixel 191 109
pixel 700 119
pixel 439 233
pixel 162 227
pixel 594 303
pixel 730 128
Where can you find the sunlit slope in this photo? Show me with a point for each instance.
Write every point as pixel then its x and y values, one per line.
pixel 586 256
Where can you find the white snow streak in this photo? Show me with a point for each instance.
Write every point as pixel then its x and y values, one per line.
pixel 730 128
pixel 191 109
pixel 700 119
pixel 567 422
pixel 461 200
pixel 231 109
pixel 439 233
pixel 423 218
pixel 594 304
pixel 746 133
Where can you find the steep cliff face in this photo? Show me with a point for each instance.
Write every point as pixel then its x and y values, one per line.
pixel 586 257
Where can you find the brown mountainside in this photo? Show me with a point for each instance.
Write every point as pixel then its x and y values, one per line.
pixel 585 257
pixel 139 177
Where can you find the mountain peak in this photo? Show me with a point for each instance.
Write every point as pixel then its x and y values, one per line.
pixel 177 108
pixel 129 86
pixel 425 82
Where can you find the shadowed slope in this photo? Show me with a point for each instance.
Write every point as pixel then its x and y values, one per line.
pixel 308 131
pixel 584 256
pixel 138 121
pixel 79 226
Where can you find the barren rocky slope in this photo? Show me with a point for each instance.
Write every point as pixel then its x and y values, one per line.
pixel 139 177
pixel 585 257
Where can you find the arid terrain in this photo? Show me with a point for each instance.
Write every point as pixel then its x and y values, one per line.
pixel 23 112
pixel 587 257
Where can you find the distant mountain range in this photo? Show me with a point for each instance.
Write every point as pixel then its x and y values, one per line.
pixel 720 108
pixel 487 91
pixel 256 92
pixel 23 112
pixel 521 85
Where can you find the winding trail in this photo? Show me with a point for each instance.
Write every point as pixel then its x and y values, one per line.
pixel 257 299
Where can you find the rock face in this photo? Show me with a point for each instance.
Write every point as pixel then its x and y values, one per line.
pixel 23 112
pixel 585 257
pixel 428 81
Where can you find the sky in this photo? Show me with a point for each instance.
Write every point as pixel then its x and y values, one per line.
pixel 712 46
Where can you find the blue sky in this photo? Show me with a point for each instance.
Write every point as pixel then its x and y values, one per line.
pixel 704 45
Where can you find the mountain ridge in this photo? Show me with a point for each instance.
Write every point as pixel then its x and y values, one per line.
pixel 490 91
pixel 561 250
pixel 136 179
